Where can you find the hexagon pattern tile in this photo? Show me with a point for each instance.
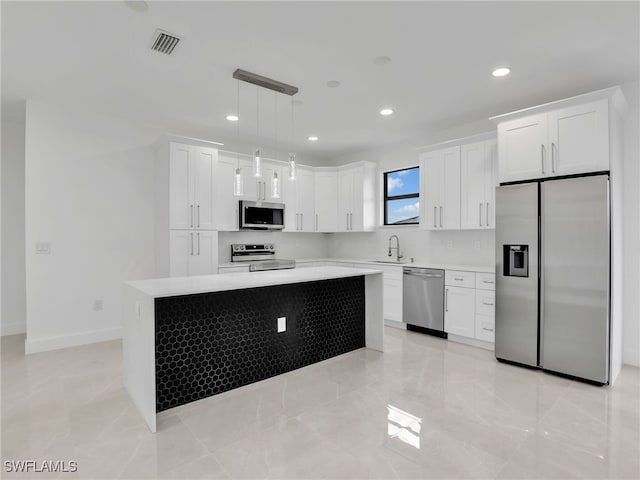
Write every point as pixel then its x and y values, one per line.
pixel 210 343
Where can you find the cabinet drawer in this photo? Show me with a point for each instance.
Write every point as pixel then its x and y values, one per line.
pixel 486 281
pixel 485 303
pixel 457 278
pixel 485 327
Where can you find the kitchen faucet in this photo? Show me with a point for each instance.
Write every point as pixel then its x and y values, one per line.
pixel 397 247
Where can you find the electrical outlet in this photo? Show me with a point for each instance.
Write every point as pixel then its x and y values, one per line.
pixel 97 305
pixel 449 244
pixel 476 245
pixel 282 324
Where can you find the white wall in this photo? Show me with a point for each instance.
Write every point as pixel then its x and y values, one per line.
pixel 13 261
pixel 450 247
pixel 89 192
pixel 631 227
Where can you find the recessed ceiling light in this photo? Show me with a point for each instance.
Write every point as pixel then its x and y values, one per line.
pixel 381 60
pixel 137 5
pixel 333 84
pixel 313 138
pixel 233 118
pixel 386 111
pixel 501 72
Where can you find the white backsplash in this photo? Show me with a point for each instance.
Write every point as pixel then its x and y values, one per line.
pixel 451 247
pixel 288 245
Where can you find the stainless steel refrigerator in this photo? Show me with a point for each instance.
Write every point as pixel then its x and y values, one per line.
pixel 553 276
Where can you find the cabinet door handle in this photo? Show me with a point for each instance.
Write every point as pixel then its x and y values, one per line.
pixel 264 190
pixel 487 216
pixel 542 157
pixel 435 215
pixel 440 216
pixel 198 243
pixel 198 215
pixel 553 157
pixel 458 279
pixel 488 304
pixel 316 222
pixel 347 221
pixel 191 213
pixel 351 221
pixel 191 235
pixel 301 221
pixel 446 300
pixel 480 211
pixel 487 329
pixel 488 281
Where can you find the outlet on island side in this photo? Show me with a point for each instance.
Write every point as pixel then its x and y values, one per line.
pixel 282 324
pixel 449 244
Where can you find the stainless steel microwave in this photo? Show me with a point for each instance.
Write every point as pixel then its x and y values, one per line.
pixel 261 215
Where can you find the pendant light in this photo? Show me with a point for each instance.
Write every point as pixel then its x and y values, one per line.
pixel 275 182
pixel 237 179
pixel 292 155
pixel 257 160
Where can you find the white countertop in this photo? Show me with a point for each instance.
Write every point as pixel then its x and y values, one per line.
pixel 171 287
pixel 442 266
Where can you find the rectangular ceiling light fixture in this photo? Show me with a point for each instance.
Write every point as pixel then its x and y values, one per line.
pixel 264 82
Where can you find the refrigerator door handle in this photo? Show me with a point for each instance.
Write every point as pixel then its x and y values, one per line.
pixel 553 157
pixel 487 216
pixel 446 300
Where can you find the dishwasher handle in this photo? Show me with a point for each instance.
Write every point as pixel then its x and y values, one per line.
pixel 426 275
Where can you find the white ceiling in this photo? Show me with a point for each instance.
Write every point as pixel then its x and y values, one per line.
pixel 97 54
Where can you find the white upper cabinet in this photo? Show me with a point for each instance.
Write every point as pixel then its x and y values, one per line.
pixel 567 137
pixel 356 197
pixel 261 188
pixel 522 146
pixel 299 199
pixel 191 186
pixel 478 180
pixel 440 189
pixel 579 139
pixel 326 200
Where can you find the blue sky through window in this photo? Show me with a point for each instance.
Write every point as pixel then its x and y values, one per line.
pixel 405 210
pixel 403 182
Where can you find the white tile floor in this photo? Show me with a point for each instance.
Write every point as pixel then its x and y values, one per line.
pixel 426 408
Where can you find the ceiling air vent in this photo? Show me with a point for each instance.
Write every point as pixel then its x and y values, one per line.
pixel 164 42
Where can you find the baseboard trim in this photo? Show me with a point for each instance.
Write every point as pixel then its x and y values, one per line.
pixel 73 340
pixel 395 324
pixel 474 342
pixel 14 328
pixel 631 357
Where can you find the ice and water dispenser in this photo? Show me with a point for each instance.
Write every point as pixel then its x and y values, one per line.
pixel 516 260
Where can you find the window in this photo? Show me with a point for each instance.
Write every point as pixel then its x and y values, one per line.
pixel 402 197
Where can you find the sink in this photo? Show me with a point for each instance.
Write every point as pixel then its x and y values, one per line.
pixel 394 262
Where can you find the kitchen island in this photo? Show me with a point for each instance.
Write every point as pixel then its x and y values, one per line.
pixel 187 338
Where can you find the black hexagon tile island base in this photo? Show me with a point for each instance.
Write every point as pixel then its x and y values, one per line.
pixel 213 342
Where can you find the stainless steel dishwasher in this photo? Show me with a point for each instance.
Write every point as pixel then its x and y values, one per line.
pixel 423 300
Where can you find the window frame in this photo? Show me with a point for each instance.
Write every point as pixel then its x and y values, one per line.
pixel 386 197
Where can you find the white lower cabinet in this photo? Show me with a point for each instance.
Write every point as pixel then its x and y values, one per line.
pixel 470 305
pixel 392 296
pixel 193 252
pixel 459 311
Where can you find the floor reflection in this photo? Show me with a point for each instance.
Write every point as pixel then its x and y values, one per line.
pixel 403 426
